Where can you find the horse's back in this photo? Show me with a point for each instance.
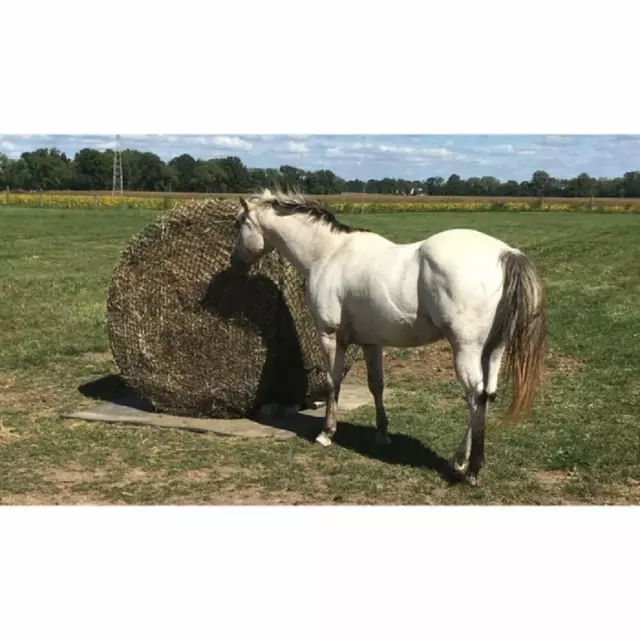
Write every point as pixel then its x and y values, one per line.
pixel 467 252
pixel 468 242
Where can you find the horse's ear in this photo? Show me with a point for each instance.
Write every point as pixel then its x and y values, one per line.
pixel 244 204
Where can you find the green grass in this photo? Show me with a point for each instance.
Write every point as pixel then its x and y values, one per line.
pixel 580 445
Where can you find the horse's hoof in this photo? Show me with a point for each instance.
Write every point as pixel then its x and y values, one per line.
pixel 458 467
pixel 473 480
pixel 382 440
pixel 457 473
pixel 324 440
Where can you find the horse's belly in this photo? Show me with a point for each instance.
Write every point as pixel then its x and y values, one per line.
pixel 392 329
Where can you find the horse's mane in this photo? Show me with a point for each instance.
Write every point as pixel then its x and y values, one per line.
pixel 292 201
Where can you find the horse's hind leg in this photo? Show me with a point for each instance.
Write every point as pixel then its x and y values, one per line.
pixel 491 362
pixel 375 379
pixel 468 363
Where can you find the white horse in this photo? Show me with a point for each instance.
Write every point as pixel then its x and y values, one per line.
pixel 469 288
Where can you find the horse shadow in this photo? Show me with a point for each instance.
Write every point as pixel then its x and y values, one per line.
pixel 404 450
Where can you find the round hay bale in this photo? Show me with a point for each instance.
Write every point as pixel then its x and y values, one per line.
pixel 196 338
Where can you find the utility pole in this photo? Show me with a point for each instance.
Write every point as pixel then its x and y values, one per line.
pixel 117 169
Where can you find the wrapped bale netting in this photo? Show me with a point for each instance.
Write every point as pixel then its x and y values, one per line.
pixel 196 338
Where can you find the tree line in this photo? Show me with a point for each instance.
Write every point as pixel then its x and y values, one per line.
pixel 48 169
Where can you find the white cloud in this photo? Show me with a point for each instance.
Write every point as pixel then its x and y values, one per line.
pixel 362 145
pixel 499 150
pixel 9 146
pixel 297 147
pixel 395 149
pixel 37 136
pixel 420 152
pixel 231 142
pixel 103 146
pixel 439 152
pixel 558 141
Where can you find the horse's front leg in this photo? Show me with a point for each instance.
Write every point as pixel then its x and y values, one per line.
pixel 375 379
pixel 333 351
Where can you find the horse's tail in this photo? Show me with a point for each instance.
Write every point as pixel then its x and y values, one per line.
pixel 521 324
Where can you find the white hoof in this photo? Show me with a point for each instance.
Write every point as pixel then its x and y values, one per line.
pixel 324 440
pixel 460 467
pixel 382 439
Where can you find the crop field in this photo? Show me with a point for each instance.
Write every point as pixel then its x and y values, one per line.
pixel 340 203
pixel 580 445
pixel 369 197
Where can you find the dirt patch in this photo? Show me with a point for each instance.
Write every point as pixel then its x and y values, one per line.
pixel 562 364
pixel 243 497
pixel 444 404
pixel 630 491
pixel 433 362
pixel 74 475
pixel 41 499
pixel 7 434
pixel 15 397
pixel 551 479
pixel 218 472
pixel 92 356
pixel 554 484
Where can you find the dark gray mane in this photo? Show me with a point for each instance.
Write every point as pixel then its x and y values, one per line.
pixel 295 202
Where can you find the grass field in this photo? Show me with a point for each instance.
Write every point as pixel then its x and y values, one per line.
pixel 580 445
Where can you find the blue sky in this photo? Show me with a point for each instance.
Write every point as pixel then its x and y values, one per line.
pixel 376 156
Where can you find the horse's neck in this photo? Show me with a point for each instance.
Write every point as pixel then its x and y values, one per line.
pixel 303 242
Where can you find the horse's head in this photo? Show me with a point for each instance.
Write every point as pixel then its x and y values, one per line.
pixel 251 243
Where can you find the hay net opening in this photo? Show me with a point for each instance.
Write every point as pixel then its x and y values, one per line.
pixel 196 338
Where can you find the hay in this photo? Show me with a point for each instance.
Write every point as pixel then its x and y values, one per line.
pixel 194 337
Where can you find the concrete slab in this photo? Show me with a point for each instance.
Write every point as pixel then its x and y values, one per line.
pixel 132 411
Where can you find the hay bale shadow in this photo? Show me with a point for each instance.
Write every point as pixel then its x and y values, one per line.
pixel 108 388
pixel 113 388
pixel 280 380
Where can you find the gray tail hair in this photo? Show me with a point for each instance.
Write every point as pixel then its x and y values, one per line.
pixel 521 324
